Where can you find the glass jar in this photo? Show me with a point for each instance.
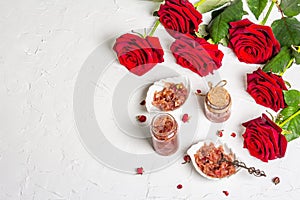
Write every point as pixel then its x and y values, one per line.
pixel 218 104
pixel 164 134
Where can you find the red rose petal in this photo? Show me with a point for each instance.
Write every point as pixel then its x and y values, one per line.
pixel 220 133
pixel 143 102
pixel 233 134
pixel 179 186
pixel 141 118
pixel 226 193
pixel 185 118
pixel 186 159
pixel 140 170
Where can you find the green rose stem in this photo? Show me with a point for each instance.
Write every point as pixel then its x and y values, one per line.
pixel 199 3
pixel 154 27
pixel 263 22
pixel 289 119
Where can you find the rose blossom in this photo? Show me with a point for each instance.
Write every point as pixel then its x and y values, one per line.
pixel 263 139
pixel 252 43
pixel 179 16
pixel 197 54
pixel 266 89
pixel 138 54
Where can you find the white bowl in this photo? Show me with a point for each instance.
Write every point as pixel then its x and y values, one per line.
pixel 159 85
pixel 194 148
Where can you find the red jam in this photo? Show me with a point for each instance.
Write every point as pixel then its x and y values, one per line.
pixel 171 97
pixel 208 157
pixel 164 134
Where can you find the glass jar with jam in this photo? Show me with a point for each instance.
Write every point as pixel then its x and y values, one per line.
pixel 218 103
pixel 164 134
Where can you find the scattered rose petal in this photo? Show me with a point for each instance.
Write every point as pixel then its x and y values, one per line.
pixel 226 193
pixel 187 159
pixel 140 170
pixel 185 118
pixel 233 134
pixel 142 103
pixel 141 118
pixel 276 180
pixel 220 133
pixel 198 91
pixel 179 186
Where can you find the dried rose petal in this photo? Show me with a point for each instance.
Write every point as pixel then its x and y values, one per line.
pixel 220 133
pixel 140 170
pixel 226 193
pixel 233 134
pixel 141 118
pixel 142 103
pixel 179 186
pixel 276 180
pixel 185 118
pixel 187 159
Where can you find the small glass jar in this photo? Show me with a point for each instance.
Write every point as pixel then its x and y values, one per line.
pixel 217 104
pixel 164 134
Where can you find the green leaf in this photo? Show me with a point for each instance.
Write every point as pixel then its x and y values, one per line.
pixel 218 27
pixel 296 54
pixel 257 6
pixel 204 6
pixel 287 31
pixel 290 7
pixel 292 97
pixel 279 63
pixel 285 113
pixel 292 126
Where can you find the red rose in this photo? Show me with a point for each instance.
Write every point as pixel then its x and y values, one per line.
pixel 252 43
pixel 179 16
pixel 263 139
pixel 266 89
pixel 197 55
pixel 138 54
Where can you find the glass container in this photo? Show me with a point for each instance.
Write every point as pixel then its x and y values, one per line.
pixel 164 134
pixel 217 103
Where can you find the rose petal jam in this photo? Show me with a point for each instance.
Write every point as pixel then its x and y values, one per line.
pixel 217 105
pixel 164 134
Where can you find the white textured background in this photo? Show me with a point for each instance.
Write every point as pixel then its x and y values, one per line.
pixel 43 44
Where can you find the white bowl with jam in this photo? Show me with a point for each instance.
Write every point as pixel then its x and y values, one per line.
pixel 213 160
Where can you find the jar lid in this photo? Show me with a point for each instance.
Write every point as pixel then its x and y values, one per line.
pixel 218 97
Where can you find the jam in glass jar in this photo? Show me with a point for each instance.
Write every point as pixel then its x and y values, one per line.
pixel 164 134
pixel 218 103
